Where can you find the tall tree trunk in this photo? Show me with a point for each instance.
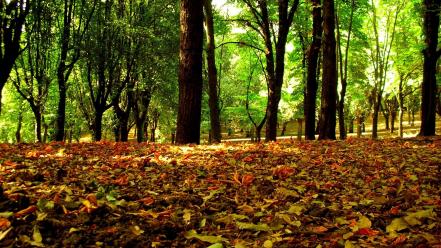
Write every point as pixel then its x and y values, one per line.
pixel 312 62
pixel 431 55
pixel 344 72
pixel 213 90
pixel 61 110
pixel 329 85
pixel 190 72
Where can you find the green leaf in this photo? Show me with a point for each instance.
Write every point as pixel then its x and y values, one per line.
pixel 217 245
pixel 257 227
pixel 206 238
pixel 6 214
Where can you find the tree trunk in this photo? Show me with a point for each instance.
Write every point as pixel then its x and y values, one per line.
pixel 124 130
pixel 375 120
pixel 61 110
pixel 37 115
pixel 359 126
pixel 351 125
pixel 98 125
pixel 152 135
pixel 213 100
pixel 387 120
pixel 285 124
pixel 140 130
pixel 329 85
pixel 299 128
pixel 431 55
pixel 393 116
pixel 19 126
pixel 311 81
pixel 190 72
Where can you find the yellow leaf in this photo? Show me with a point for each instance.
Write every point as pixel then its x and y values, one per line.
pixel 364 222
pixel 268 244
pixel 187 215
pixel 136 230
pixel 396 225
pixel 295 209
pixel 36 235
pixel 348 244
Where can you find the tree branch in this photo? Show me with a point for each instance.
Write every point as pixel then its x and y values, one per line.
pixel 241 43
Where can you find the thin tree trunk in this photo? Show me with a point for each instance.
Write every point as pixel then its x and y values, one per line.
pixel 359 126
pixel 375 120
pixel 213 100
pixel 344 73
pixel 312 62
pixel 299 128
pixel 19 125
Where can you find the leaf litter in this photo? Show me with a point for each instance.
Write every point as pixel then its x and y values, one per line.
pixel 353 193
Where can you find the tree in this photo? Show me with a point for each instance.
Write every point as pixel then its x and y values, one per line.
pixel 380 53
pixel 34 67
pixel 107 71
pixel 190 72
pixel 343 66
pixel 275 45
pixel 12 19
pixel 75 22
pixel 431 55
pixel 312 70
pixel 329 84
pixel 213 86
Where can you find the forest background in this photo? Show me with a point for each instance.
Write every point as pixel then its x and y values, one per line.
pixel 92 70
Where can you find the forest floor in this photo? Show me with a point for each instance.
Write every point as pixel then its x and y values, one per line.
pixel 353 193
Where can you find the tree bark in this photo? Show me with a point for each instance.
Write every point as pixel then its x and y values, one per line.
pixel 312 62
pixel 329 86
pixel 431 55
pixel 213 87
pixel 98 125
pixel 190 72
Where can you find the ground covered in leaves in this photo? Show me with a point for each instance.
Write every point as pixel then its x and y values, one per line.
pixel 356 193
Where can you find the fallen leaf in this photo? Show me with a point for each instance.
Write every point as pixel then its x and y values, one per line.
pixel 29 210
pixel 4 223
pixel 206 238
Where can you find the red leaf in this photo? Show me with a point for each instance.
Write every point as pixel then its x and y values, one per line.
pixel 399 240
pixel 147 200
pixel 283 171
pixel 367 232
pixel 122 180
pixel 395 210
pixel 247 180
pixel 4 223
pixel 26 211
